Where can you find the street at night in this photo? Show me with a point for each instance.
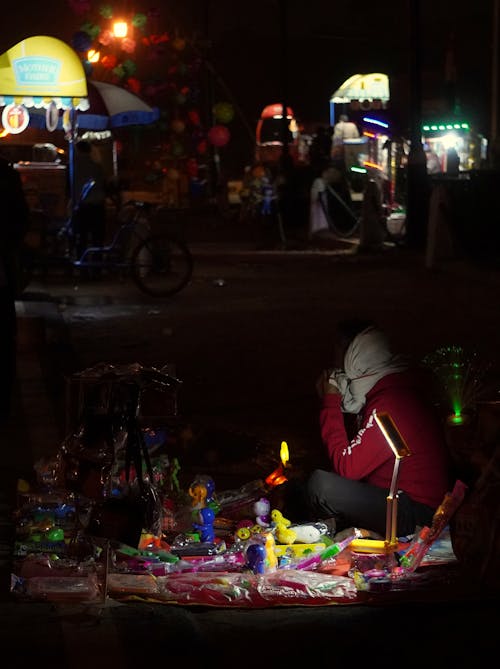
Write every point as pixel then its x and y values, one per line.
pixel 204 476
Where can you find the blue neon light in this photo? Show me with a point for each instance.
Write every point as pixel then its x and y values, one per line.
pixel 375 121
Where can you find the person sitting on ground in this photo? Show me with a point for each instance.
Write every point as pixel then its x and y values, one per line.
pixel 369 378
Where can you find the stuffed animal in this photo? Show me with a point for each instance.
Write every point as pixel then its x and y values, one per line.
pixel 261 509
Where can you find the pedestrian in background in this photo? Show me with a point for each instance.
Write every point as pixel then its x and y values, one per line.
pixel 89 215
pixel 452 162
pixel 14 225
pixel 344 129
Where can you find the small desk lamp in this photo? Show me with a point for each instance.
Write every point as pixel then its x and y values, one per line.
pixel 401 450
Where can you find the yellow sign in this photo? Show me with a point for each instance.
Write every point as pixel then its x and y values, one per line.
pixel 40 69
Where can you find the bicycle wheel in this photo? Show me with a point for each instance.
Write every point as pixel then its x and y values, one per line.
pixel 161 266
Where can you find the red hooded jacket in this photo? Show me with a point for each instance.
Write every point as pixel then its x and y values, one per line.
pixel 423 475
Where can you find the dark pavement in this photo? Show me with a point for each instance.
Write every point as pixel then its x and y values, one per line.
pixel 248 338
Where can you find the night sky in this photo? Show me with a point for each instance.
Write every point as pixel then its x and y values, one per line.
pixel 327 42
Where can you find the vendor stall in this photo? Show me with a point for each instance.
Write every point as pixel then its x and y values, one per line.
pixel 42 73
pixel 359 94
pixel 441 135
pixel 43 85
pixel 269 134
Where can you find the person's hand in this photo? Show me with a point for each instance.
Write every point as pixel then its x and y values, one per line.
pixel 324 386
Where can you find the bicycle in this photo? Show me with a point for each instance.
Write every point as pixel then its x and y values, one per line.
pixel 160 264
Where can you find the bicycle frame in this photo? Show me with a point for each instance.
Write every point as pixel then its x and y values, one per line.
pixel 159 264
pixel 115 256
pixel 104 255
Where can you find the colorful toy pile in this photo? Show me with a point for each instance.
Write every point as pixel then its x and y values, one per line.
pixel 109 518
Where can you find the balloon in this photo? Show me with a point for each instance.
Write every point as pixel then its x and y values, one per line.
pixel 139 20
pixel 134 85
pixel 177 149
pixel 178 125
pixel 223 112
pixel 128 45
pixel 81 41
pixel 202 147
pixel 106 11
pixel 109 61
pixel 192 167
pixel 106 37
pixel 194 116
pixel 129 66
pixel 179 44
pixel 219 135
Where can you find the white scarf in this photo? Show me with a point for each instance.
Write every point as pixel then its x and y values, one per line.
pixel 367 360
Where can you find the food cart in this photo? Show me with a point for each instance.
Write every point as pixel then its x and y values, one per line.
pixel 44 75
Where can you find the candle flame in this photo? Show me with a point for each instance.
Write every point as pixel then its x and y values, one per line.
pixel 277 477
pixel 284 453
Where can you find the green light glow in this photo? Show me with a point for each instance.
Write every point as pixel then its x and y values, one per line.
pixel 456 420
pixel 433 127
pixel 461 374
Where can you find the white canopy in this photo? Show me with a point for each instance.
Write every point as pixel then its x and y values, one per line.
pixel 374 86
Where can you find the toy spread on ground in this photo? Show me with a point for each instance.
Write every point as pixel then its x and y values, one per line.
pixel 109 518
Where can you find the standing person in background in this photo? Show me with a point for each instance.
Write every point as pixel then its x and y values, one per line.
pixel 452 162
pixel 89 221
pixel 14 225
pixel 344 129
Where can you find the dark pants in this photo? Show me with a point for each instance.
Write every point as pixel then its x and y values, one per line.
pixel 352 504
pixel 89 226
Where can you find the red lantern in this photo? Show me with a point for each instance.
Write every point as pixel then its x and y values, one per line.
pixel 219 135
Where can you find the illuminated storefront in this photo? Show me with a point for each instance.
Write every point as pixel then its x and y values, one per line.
pixel 440 136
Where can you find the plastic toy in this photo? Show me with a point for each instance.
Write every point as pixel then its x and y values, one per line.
pixel 284 534
pixel 256 558
pixel 278 517
pixel 198 493
pixel 205 524
pixel 270 546
pixel 310 533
